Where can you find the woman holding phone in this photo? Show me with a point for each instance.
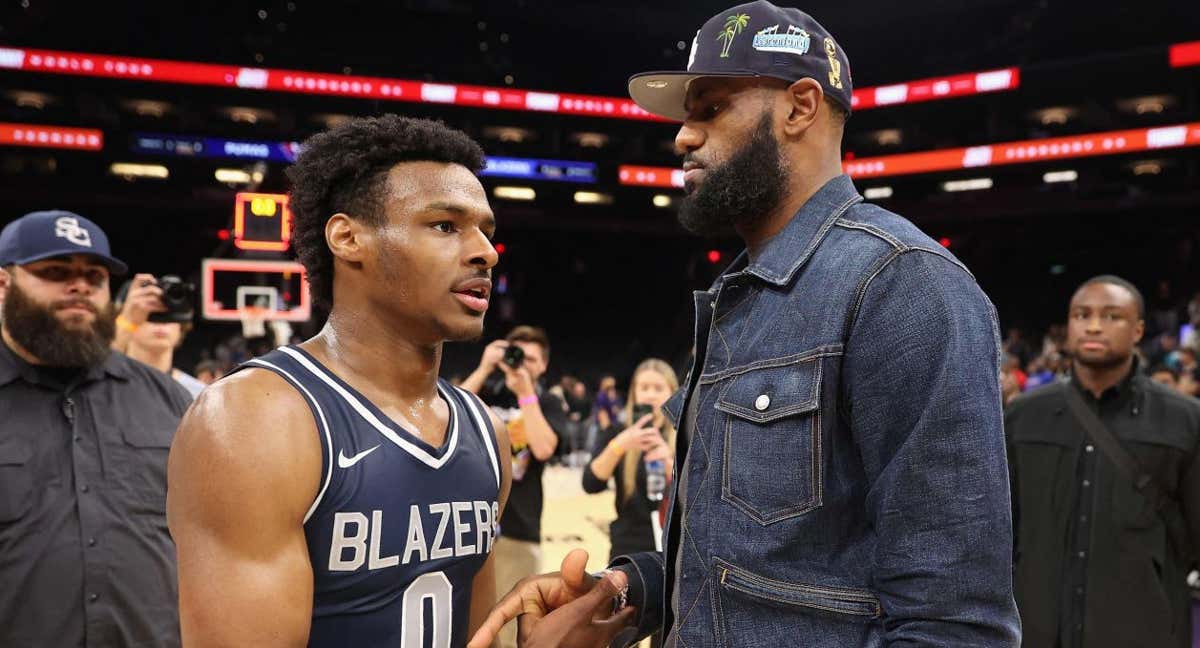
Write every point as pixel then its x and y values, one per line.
pixel 625 453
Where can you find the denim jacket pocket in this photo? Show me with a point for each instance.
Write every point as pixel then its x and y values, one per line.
pixel 838 600
pixel 771 465
pixel 16 479
pixel 753 610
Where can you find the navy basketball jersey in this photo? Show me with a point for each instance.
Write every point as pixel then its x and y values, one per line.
pixel 399 528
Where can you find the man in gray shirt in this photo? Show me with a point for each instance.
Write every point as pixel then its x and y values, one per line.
pixel 85 556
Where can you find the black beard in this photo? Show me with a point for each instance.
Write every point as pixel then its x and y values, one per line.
pixel 742 191
pixel 39 332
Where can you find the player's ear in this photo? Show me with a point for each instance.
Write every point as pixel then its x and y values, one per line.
pixel 344 235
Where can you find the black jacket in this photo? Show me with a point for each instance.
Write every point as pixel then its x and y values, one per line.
pixel 1096 566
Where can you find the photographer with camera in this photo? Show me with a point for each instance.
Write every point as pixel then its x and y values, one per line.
pixel 507 382
pixel 156 315
pixel 87 559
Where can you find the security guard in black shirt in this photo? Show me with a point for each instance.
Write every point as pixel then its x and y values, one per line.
pixel 1106 490
pixel 85 557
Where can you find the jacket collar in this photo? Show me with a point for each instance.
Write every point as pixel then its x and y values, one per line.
pixel 788 250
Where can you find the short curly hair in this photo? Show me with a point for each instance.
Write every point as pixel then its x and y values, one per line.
pixel 345 169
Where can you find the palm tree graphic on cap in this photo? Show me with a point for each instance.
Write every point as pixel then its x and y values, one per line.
pixel 733 26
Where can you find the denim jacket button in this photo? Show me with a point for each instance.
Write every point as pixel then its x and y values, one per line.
pixel 762 403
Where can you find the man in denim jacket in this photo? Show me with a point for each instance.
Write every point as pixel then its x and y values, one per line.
pixel 841 476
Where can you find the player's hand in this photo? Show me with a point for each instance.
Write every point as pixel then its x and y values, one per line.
pixel 518 380
pixel 144 297
pixel 493 354
pixel 566 609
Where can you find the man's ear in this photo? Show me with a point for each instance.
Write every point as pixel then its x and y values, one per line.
pixel 5 280
pixel 804 99
pixel 345 237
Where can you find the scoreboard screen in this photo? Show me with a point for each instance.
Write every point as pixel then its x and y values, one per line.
pixel 262 222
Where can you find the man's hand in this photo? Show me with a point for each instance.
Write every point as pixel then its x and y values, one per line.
pixel 567 609
pixel 144 297
pixel 493 354
pixel 517 380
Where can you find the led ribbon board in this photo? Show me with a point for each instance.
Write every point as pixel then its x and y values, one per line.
pixel 536 169
pixel 1022 152
pixel 383 88
pixel 55 137
pixel 214 147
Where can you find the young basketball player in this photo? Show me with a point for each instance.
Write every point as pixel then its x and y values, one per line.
pixel 337 492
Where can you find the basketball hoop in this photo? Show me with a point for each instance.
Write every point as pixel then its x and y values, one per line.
pixel 253 318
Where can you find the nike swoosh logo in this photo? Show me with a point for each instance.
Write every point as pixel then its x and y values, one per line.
pixel 346 462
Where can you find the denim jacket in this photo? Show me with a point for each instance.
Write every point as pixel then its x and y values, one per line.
pixel 847 482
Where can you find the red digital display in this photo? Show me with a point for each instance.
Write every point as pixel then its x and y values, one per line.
pixel 57 137
pixel 959 85
pixel 1185 54
pixel 1026 151
pixel 1039 150
pixel 644 176
pixel 383 88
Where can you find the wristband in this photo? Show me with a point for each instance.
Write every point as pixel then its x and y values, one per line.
pixel 527 400
pixel 616 446
pixel 124 324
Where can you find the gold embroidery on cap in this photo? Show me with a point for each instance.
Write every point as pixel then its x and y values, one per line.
pixel 835 66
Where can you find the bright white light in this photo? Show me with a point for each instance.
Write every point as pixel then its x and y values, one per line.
pixel 232 176
pixel 877 193
pixel 662 200
pixel 1060 176
pixel 514 193
pixel 132 170
pixel 972 184
pixel 592 198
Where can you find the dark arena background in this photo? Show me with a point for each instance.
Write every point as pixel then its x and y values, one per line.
pixel 1043 142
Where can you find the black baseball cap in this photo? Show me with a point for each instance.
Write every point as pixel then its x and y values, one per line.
pixel 44 234
pixel 757 39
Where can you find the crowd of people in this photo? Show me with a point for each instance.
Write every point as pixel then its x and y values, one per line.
pixel 853 458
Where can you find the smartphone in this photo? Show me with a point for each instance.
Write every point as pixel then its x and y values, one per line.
pixel 639 411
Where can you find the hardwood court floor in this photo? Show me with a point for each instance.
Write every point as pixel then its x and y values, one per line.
pixel 573 519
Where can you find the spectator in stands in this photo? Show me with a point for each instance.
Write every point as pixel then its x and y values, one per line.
pixel 1106 512
pixel 1011 364
pixel 151 343
pixel 535 419
pixel 1054 340
pixel 1009 388
pixel 1016 346
pixel 1165 375
pixel 87 559
pixel 608 403
pixel 621 455
pixel 1187 363
pixel 575 394
pixel 579 399
pixel 207 372
pixel 1164 349
pixel 1040 372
